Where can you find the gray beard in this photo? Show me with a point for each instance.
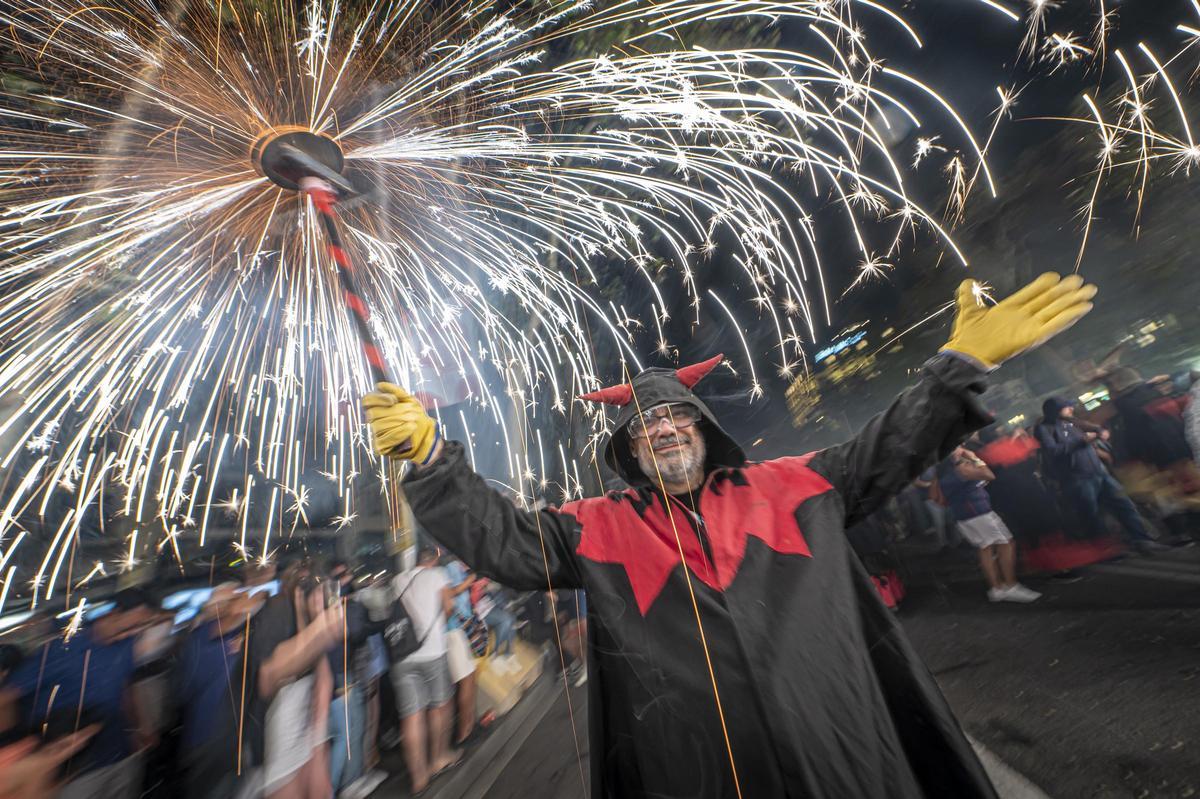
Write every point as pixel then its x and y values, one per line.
pixel 685 466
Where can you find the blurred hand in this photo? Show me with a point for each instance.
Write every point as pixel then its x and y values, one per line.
pixel 1091 436
pixel 1043 309
pixel 28 771
pixel 400 427
pixel 330 625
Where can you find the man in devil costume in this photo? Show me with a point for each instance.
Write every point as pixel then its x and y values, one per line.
pixel 738 649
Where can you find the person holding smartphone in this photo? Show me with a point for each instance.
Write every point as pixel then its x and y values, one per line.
pixel 287 667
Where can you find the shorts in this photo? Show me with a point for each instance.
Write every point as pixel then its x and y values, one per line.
pixel 984 530
pixel 290 737
pixel 420 684
pixel 458 655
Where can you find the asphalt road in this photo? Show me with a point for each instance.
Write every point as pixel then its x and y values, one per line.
pixel 1092 692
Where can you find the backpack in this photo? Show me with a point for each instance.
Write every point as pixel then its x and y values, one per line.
pixel 400 635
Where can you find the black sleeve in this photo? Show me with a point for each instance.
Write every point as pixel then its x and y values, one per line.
pixel 488 532
pixel 922 426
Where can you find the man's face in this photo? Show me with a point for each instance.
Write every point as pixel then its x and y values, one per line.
pixel 667 441
pixel 1068 412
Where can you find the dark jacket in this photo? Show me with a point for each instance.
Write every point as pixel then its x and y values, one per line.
pixel 1066 451
pixel 803 671
pixel 1151 426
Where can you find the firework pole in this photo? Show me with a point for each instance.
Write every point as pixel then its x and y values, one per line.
pixel 300 160
pixel 324 198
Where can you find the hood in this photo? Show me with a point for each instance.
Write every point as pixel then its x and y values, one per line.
pixel 1053 406
pixel 654 387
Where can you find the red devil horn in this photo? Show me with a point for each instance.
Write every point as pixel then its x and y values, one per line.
pixel 613 395
pixel 691 375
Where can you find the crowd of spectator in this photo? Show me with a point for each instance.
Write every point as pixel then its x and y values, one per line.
pixel 1127 469
pixel 286 686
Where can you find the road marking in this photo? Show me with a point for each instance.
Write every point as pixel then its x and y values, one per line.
pixel 1010 783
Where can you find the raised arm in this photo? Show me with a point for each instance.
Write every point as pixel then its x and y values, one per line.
pixel 297 654
pixel 922 426
pixel 926 421
pixel 525 550
pixel 522 549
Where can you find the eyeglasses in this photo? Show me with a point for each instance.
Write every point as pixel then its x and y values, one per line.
pixel 648 422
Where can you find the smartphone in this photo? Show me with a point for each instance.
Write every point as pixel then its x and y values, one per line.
pixel 332 592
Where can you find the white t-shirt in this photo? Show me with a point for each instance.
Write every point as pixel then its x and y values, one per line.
pixel 421 591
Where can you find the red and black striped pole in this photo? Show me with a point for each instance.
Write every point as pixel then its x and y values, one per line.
pixel 324 198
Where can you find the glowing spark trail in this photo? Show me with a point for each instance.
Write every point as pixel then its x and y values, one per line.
pixel 170 325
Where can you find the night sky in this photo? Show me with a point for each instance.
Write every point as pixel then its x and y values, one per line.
pixel 968 50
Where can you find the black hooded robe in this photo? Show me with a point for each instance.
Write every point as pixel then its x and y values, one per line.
pixel 817 691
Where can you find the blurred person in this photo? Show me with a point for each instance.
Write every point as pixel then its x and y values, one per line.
pixel 964 477
pixel 571 607
pixel 754 555
pixel 872 540
pixel 550 614
pixel 1016 491
pixel 422 680
pixel 207 680
pixel 289 717
pixel 935 506
pixel 487 598
pixel 915 518
pixel 347 715
pixel 29 766
pixel 1069 455
pixel 85 679
pixel 1157 465
pixel 1150 418
pixel 459 655
pixel 154 656
pixel 377 597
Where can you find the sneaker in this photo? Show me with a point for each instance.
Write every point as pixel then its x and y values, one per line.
pixel 1019 593
pixel 390 739
pixel 997 594
pixel 581 678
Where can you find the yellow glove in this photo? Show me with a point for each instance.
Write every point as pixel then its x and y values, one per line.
pixel 399 425
pixel 991 334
